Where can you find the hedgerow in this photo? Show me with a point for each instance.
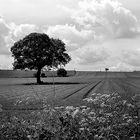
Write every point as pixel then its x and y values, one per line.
pixel 103 117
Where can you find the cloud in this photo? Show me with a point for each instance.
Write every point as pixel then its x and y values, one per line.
pixel 4 31
pixel 90 55
pixel 5 61
pixel 20 31
pixel 131 57
pixel 122 67
pixel 95 31
pixel 107 18
pixel 73 37
pixel 10 33
pixel 98 23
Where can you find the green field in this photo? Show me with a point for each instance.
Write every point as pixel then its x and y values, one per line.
pixel 17 93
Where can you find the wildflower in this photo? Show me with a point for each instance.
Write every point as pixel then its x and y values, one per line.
pixel 101 119
pixel 83 107
pixel 60 107
pixel 103 104
pixel 96 136
pixel 108 128
pixel 124 102
pixel 75 112
pixel 81 129
pixel 99 94
pixel 111 100
pixel 115 94
pixel 92 113
pixel 93 94
pixel 130 105
pixel 70 108
pixel 85 111
pixel 105 95
pixel 14 118
pixel 18 102
pixel 83 120
pixel 89 100
pixel 27 98
pixel 29 137
pixel 125 116
pixel 27 103
pixel 129 120
pixel 133 137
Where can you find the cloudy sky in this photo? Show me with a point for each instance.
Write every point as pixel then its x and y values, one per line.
pixel 97 33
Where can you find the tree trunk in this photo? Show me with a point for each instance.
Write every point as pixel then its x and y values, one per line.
pixel 38 76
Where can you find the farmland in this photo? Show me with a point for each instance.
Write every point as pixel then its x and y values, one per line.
pixel 85 106
pixel 23 93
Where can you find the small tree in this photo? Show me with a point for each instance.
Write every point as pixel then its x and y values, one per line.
pixel 37 50
pixel 106 69
pixel 61 72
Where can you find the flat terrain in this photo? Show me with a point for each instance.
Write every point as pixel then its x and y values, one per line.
pixel 24 93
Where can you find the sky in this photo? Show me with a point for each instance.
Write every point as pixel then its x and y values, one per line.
pixel 97 33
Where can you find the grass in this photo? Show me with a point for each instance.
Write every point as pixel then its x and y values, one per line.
pixel 100 106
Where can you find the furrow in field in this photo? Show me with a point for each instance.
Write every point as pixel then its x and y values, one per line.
pixel 59 93
pixel 108 86
pixel 133 89
pixel 114 86
pixel 88 92
pixel 125 90
pixel 121 86
pixel 133 85
pixel 76 91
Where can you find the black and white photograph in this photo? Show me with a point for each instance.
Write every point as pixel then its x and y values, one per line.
pixel 69 70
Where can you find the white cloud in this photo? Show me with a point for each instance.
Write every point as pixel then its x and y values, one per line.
pixel 107 18
pixel 10 32
pixel 131 57
pixel 97 25
pixel 4 31
pixel 73 37
pixel 122 67
pixel 95 31
pixel 91 56
pixel 20 31
pixel 6 62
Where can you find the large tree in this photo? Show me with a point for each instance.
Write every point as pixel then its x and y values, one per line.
pixel 36 51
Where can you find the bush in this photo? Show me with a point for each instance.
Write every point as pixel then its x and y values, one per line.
pixel 61 72
pixel 43 75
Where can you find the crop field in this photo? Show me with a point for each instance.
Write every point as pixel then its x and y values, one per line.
pixel 85 106
pixel 24 93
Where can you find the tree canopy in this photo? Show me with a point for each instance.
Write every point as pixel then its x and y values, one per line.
pixel 37 50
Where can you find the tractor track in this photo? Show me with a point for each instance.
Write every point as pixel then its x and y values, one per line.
pixel 87 93
pixel 76 91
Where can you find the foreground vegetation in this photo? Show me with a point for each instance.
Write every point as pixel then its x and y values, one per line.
pixel 104 117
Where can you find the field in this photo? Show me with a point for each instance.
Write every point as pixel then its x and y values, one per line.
pixel 24 93
pixel 85 106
